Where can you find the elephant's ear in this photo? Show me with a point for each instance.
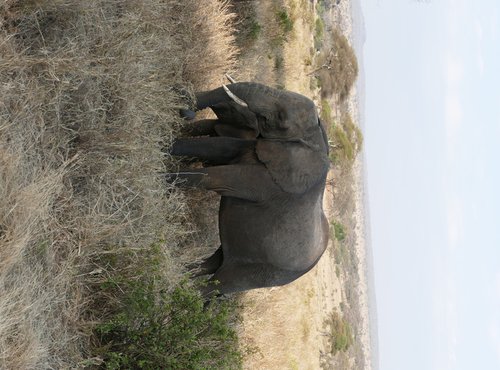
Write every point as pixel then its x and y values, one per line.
pixel 293 166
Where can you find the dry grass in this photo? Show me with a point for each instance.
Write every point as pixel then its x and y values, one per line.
pixel 88 99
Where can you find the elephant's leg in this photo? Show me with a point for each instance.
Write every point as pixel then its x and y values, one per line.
pixel 209 265
pixel 204 127
pixel 215 149
pixel 250 182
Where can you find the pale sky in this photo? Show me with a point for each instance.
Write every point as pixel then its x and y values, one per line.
pixel 432 149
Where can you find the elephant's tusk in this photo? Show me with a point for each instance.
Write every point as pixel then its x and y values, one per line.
pixel 234 97
pixel 230 79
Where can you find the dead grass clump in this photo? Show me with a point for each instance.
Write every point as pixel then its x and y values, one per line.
pixel 209 45
pixel 89 96
pixel 248 27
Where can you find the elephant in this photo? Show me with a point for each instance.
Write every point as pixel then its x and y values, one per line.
pixel 267 156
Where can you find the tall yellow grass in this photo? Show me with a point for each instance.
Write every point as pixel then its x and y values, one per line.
pixel 89 95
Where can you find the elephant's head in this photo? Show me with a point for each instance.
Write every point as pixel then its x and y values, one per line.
pixel 274 114
pixel 295 145
pixel 292 142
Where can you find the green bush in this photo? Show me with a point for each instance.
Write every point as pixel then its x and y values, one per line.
pixel 339 231
pixel 326 113
pixel 340 336
pixel 254 29
pixel 320 7
pixel 151 327
pixel 248 28
pixel 347 141
pixel 278 62
pixel 353 132
pixel 286 23
pixel 346 145
pixel 319 33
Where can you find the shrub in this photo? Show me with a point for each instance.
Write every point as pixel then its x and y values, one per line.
pixel 340 335
pixel 248 29
pixel 353 132
pixel 172 331
pixel 278 62
pixel 286 23
pixel 254 29
pixel 319 33
pixel 338 68
pixel 151 327
pixel 326 113
pixel 347 141
pixel 339 231
pixel 345 144
pixel 320 7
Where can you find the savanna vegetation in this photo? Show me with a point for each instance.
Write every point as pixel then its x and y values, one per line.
pixel 152 326
pixel 335 71
pixel 249 27
pixel 93 242
pixel 337 67
pixel 340 335
pixel 340 339
pixel 346 141
pixel 346 138
pixel 319 31
pixel 90 93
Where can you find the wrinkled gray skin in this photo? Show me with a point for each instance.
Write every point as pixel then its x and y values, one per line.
pixel 271 162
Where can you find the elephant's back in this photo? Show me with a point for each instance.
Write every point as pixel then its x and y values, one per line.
pixel 289 232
